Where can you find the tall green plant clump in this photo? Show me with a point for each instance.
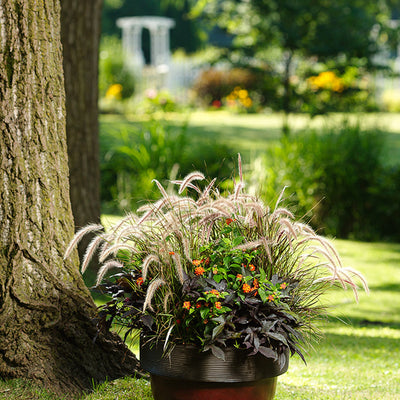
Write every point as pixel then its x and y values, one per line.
pixel 115 79
pixel 132 156
pixel 341 176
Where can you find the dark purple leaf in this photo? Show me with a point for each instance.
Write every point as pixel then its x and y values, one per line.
pixel 267 352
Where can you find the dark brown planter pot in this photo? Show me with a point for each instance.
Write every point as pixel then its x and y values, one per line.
pixel 187 373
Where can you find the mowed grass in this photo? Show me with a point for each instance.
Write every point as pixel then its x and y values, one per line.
pixel 251 134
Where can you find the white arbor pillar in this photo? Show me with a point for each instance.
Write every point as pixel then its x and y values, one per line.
pixel 160 56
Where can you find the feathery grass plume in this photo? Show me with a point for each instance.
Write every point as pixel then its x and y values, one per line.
pixel 325 254
pixel 151 258
pixel 238 188
pixel 178 266
pixel 105 268
pixel 166 298
pixel 280 197
pixel 189 178
pixel 266 243
pixel 127 232
pixel 327 246
pixel 220 210
pixel 130 217
pixel 256 207
pixel 90 250
pixel 289 227
pixel 240 167
pixel 206 192
pixel 249 245
pixel 114 249
pixel 284 211
pixel 360 276
pixel 161 188
pixel 154 285
pixel 189 185
pixel 79 235
pixel 225 202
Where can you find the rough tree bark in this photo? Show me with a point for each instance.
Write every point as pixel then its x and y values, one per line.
pixel 46 328
pixel 80 35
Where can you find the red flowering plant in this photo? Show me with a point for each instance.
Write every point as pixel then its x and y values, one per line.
pixel 216 271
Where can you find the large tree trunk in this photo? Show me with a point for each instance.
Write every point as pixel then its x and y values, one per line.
pixel 80 34
pixel 46 329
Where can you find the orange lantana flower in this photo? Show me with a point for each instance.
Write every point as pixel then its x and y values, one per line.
pixel 196 262
pixel 139 281
pixel 199 271
pixel 218 305
pixel 246 288
pixel 252 267
pixel 186 305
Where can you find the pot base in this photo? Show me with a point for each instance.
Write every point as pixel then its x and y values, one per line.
pixel 164 388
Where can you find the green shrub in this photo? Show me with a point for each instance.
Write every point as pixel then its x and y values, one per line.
pixel 214 84
pixel 340 176
pixel 113 71
pixel 133 156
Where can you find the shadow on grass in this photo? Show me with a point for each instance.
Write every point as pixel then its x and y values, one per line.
pixel 388 287
pixel 359 322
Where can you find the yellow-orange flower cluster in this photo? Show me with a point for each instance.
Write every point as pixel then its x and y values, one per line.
pixel 326 80
pixel 246 288
pixel 114 92
pixel 241 96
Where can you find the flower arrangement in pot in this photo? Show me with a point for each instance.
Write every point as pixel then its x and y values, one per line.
pixel 216 275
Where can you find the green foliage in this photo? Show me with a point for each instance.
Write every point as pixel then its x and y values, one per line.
pixel 155 101
pixel 214 84
pixel 112 70
pixel 131 159
pixel 132 155
pixel 321 90
pixel 294 31
pixel 341 177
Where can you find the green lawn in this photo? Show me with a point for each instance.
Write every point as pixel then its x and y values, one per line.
pixel 359 358
pixel 251 133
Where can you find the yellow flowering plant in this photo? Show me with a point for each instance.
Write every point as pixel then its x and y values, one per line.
pixel 216 270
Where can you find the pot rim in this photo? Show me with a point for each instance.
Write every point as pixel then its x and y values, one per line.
pixel 187 362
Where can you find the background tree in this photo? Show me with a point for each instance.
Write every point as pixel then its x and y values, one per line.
pixel 338 31
pixel 46 327
pixel 80 36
